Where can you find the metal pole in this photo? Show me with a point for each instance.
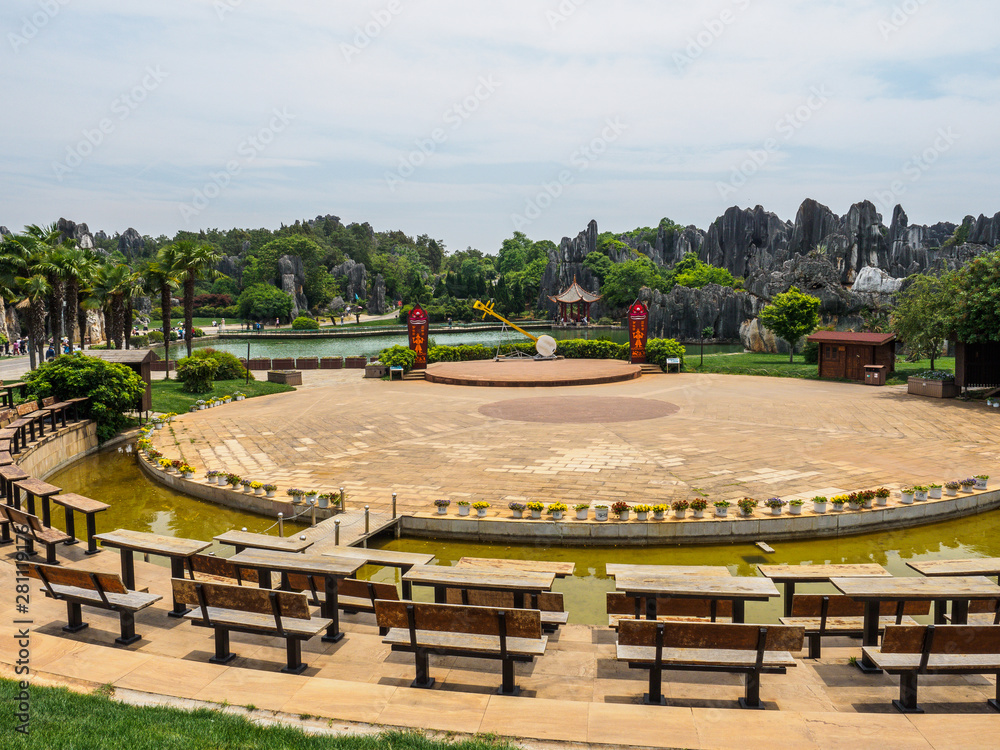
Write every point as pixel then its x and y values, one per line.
pixel 314 514
pixel 342 508
pixel 367 525
pixel 393 504
pixel 281 524
pixel 336 532
pixel 248 362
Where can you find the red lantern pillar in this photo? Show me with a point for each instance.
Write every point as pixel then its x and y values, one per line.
pixel 638 332
pixel 418 327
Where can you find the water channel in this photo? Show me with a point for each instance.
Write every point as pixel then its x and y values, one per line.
pixel 141 504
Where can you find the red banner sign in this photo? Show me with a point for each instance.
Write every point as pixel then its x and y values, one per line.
pixel 418 327
pixel 638 332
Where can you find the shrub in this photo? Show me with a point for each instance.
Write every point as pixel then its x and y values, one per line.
pixel 228 366
pixel 197 373
pixel 659 350
pixel 113 389
pixel 155 337
pixel 398 356
pixel 196 332
pixel 138 342
pixel 302 323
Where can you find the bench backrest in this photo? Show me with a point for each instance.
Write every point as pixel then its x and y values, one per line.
pixel 983 606
pixel 710 635
pixel 6 417
pixel 26 408
pixel 22 518
pixel 55 575
pixel 48 401
pixel 941 639
pixel 345 587
pixel 838 605
pixel 620 604
pixel 220 567
pixel 548 601
pixel 457 618
pixel 242 598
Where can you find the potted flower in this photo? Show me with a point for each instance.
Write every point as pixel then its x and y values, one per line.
pixel 157 423
pixel 795 507
pixel 201 404
pixel 517 509
pixel 245 484
pixel 600 512
pixel 311 496
pixel 721 508
pixel 582 511
pixel 212 476
pixel 819 504
pixel 536 509
pixel 882 496
pixel 323 499
pixel 698 506
pixel 906 495
pixel 226 399
pixel 166 465
pixel 746 506
pixel 296 494
pixel 481 507
pixel 867 498
pixel 981 481
pixel 257 487
pixel 854 501
pixel 463 507
pixel 934 491
pixel 621 509
pixel 239 395
pixel 442 506
pixel 659 511
pixel 680 508
pixel 968 485
pixel 838 503
pixel 556 510
pixel 952 488
pixel 186 470
pixel 153 455
pixel 270 489
pixel 233 480
pixel 920 493
pixel 776 504
pixel 642 512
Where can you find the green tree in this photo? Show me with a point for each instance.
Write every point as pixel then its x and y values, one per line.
pixel 79 265
pixel 791 316
pixel 622 285
pixel 264 302
pixel 163 278
pixel 977 307
pixel 50 261
pixel 193 260
pixel 924 314
pixel 599 263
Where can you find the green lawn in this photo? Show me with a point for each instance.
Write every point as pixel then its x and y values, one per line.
pixel 62 719
pixel 168 396
pixel 777 366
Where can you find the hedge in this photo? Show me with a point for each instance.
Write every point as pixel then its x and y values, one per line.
pixel 658 350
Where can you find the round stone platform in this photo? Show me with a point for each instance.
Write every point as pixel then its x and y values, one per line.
pixel 529 373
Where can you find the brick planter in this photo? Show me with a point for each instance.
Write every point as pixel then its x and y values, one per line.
pixel 932 388
pixel 355 363
pixel 260 364
pixel 307 363
pixel 283 364
pixel 287 377
pixel 331 363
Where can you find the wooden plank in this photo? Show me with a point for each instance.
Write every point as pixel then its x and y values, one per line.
pixel 79 503
pixel 390 558
pixel 811 605
pixel 705 657
pixel 56 574
pixel 155 544
pixel 841 624
pixel 219 567
pixel 620 604
pixel 437 575
pixel 560 569
pixel 889 589
pixel 742 587
pixel 346 587
pixel 472 644
pixel 263 541
pixel 983 566
pixel 453 618
pixel 948 639
pixel 712 571
pixel 241 598
pixel 254 621
pixel 820 573
pixel 13 472
pixel 710 635
pixel 295 562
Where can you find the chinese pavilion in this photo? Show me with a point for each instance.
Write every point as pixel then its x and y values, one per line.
pixel 574 303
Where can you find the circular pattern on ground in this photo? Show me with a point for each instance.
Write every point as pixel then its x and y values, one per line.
pixel 579 409
pixel 530 373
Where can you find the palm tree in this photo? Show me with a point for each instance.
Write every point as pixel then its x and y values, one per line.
pixel 18 256
pixel 113 283
pixel 163 278
pixel 35 289
pixel 79 265
pixel 193 260
pixel 50 250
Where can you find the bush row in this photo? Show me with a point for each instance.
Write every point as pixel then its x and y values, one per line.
pixel 657 351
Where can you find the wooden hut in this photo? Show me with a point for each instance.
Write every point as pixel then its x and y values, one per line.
pixel 137 360
pixel 845 355
pixel 977 365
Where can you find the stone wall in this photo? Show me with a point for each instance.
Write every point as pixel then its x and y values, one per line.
pixel 70 443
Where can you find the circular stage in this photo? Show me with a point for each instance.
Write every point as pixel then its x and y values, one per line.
pixel 529 373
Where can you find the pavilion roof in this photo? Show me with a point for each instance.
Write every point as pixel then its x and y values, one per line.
pixel 849 337
pixel 574 294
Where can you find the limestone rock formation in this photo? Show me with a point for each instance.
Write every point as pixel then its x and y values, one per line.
pixel 293 277
pixel 353 279
pixel 95 327
pixel 376 300
pixel 5 232
pixel 79 232
pixel 231 266
pixel 873 280
pixel 684 313
pixel 565 264
pixel 130 243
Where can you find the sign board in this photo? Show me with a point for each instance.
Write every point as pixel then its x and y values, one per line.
pixel 417 324
pixel 638 332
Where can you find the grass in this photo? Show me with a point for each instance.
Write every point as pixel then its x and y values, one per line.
pixel 168 396
pixel 60 718
pixel 778 366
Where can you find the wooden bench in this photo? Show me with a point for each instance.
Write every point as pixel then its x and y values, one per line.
pixel 353 595
pixel 510 635
pixel 622 607
pixel 982 612
pixel 241 609
pixel 27 417
pixel 99 590
pixel 708 647
pixel 549 603
pixel 31 530
pixel 219 568
pixel 73 504
pixel 56 408
pixel 838 615
pixel 913 650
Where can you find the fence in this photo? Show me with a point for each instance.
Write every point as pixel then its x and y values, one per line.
pixel 283 363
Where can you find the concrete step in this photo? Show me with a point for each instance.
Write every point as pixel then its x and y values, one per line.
pixel 414 375
pixel 648 369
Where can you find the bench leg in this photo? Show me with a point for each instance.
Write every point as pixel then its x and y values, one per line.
pixel 74 618
pixel 92 548
pixel 752 698
pixel 293 651
pixel 507 686
pixel 71 527
pixel 222 653
pixel 815 647
pixel 907 702
pixel 5 537
pixel 655 695
pixel 128 636
pixel 994 703
pixel 424 680
pixel 50 554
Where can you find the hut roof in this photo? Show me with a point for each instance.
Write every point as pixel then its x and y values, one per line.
pixel 123 356
pixel 574 294
pixel 849 337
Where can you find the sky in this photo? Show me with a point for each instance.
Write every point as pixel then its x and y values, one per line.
pixel 469 120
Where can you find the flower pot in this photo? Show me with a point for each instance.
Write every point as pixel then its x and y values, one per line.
pixel 222 482
pixel 934 493
pixel 581 515
pixel 641 515
pixel 201 407
pixel 323 502
pixel 258 490
pixel 188 474
pixel 680 513
pixel 775 511
pixel 536 514
pixel 311 498
pixel 883 501
pixel 269 493
pixel 463 510
pixel 658 515
pixel 906 498
pixel 867 505
pixel 795 510
pixel 481 512
pixel 968 488
pixel 838 507
pixel 442 510
pixel 855 506
pixel 210 480
pixel 698 513
pixel 950 492
pixel 920 496
pixel 158 425
pixel 600 514
pixel 240 398
pixel 721 512
pixel 819 507
pixel 623 515
pixel 518 513
pixel 981 484
pixel 746 514
pixel 557 515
